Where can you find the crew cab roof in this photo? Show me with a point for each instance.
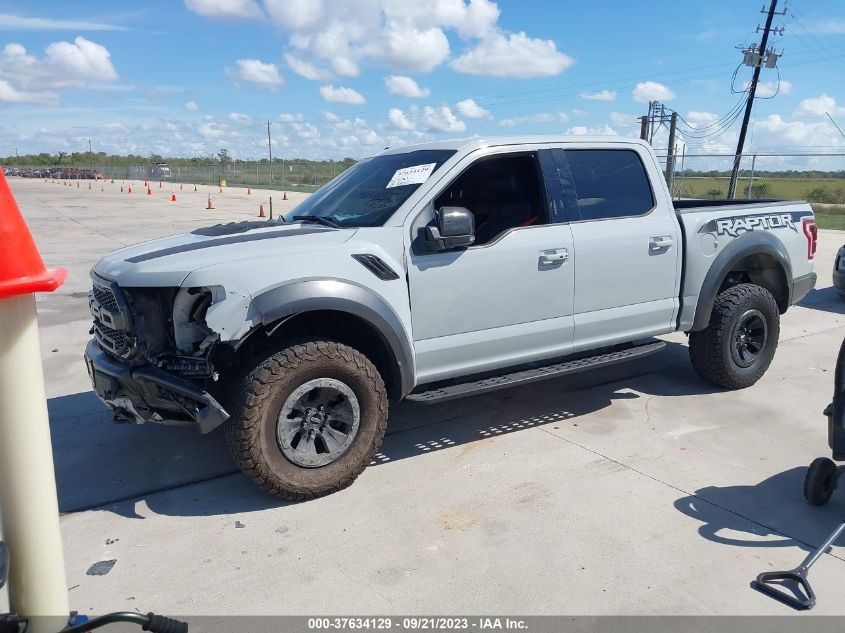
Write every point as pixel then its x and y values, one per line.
pixel 470 144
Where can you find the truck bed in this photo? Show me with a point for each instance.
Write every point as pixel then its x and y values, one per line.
pixel 687 205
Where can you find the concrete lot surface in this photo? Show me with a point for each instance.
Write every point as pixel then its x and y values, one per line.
pixel 637 489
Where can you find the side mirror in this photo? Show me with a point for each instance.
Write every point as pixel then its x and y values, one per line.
pixel 455 229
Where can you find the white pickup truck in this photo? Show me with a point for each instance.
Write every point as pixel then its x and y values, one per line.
pixel 431 272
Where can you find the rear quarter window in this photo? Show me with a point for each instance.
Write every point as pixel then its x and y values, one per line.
pixel 609 183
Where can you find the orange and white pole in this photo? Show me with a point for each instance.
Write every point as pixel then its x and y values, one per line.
pixel 28 502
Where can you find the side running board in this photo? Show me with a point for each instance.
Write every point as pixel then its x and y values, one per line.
pixel 534 374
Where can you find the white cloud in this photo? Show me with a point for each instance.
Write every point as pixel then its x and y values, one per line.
pixel 289 117
pixel 305 131
pixel 409 48
pixel 646 91
pixel 225 8
pixel 816 107
pixel 621 119
pixel 21 23
pixel 398 120
pixel 74 64
pixel 402 86
pixel 768 89
pixel 441 119
pixel 602 130
pixel 307 69
pixel 191 106
pixel 515 56
pixel 297 15
pixel 211 130
pixel 257 72
pixel 775 131
pixel 406 35
pixel 601 95
pixel 470 109
pixel 341 95
pixel 10 94
pixel 237 117
pixel 542 117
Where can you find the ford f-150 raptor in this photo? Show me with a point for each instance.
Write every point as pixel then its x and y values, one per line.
pixel 431 272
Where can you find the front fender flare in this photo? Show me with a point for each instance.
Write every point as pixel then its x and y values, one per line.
pixel 343 296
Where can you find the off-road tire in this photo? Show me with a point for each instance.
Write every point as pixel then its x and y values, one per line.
pixel 710 349
pixel 258 397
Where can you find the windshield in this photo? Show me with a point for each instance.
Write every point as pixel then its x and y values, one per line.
pixel 370 191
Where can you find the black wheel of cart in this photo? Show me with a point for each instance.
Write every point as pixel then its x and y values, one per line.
pixel 820 481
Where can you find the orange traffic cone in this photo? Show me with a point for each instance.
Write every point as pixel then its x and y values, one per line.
pixel 22 270
pixel 159 184
pixel 77 184
pixel 173 197
pixel 195 187
pixel 146 183
pixel 129 190
pixel 284 195
pixel 121 188
pixel 261 211
pixel 180 186
pixel 221 188
pixel 149 191
pixel 210 206
pixel 89 186
pixel 248 191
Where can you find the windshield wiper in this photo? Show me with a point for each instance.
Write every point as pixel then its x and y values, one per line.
pixel 318 220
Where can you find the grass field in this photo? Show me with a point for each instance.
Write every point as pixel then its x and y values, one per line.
pixel 825 190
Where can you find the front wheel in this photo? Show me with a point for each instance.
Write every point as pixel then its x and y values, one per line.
pixel 739 343
pixel 307 419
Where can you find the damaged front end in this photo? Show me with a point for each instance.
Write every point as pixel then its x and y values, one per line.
pixel 151 356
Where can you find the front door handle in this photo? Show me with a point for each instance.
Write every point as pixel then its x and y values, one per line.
pixel 659 243
pixel 554 256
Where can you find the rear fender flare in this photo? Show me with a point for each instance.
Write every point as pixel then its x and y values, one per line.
pixel 750 243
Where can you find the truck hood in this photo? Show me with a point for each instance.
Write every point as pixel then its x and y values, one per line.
pixel 168 261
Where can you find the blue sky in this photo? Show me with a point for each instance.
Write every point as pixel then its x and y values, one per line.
pixel 347 77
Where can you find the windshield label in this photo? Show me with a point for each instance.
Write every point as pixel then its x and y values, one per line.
pixel 411 175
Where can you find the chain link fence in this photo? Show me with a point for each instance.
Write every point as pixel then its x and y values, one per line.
pixel 817 178
pixel 284 175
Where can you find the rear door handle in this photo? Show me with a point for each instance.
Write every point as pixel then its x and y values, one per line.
pixel 659 243
pixel 554 256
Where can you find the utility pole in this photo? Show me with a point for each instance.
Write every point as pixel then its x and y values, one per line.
pixel 270 152
pixel 670 151
pixel 90 154
pixel 756 58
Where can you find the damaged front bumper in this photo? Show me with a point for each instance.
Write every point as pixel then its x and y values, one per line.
pixel 148 394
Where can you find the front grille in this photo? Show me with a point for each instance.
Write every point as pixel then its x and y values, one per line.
pixel 105 297
pixel 112 321
pixel 114 340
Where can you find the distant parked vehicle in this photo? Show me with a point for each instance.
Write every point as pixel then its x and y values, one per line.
pixel 159 171
pixel 90 174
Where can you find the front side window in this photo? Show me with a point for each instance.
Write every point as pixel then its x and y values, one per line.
pixel 370 191
pixel 609 183
pixel 502 192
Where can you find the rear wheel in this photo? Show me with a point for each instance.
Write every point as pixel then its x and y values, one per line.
pixel 307 419
pixel 739 343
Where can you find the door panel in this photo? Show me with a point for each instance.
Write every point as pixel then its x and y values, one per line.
pixel 474 308
pixel 627 243
pixel 509 298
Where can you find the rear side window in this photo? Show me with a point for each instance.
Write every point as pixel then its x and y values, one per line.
pixel 609 183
